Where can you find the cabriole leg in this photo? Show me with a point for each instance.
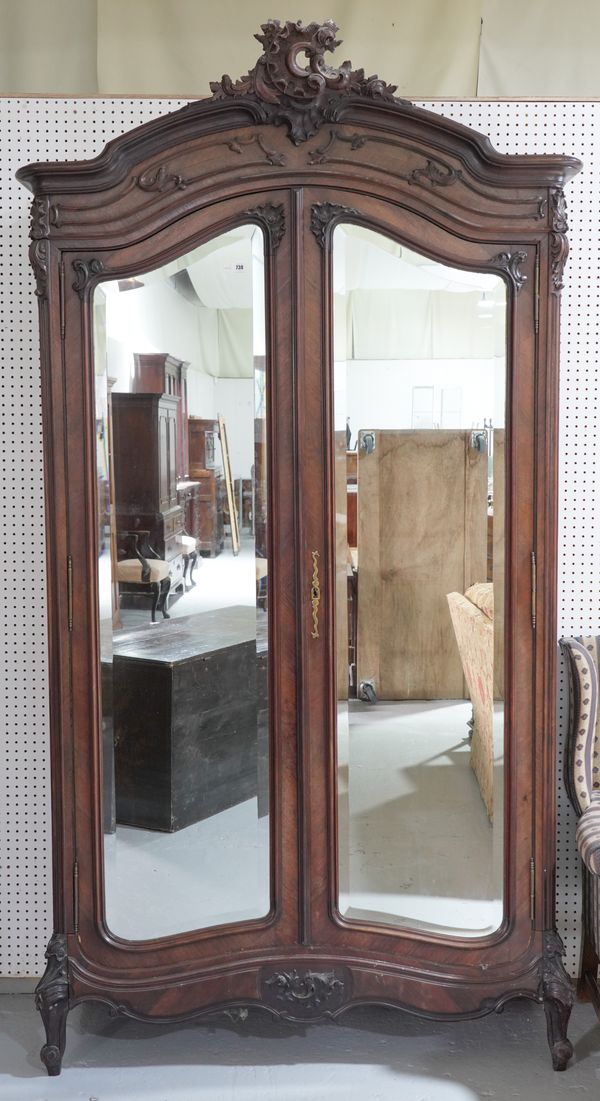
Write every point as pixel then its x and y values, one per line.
pixel 558 996
pixel 52 1000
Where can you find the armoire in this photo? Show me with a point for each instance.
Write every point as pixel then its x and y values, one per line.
pixel 350 204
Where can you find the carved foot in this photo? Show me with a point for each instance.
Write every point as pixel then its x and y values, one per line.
pixel 52 1000
pixel 558 996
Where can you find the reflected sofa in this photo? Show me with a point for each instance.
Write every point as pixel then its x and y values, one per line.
pixel 473 621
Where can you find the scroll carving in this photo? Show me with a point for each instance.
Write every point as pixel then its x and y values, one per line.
pixel 273 157
pixel 294 85
pixel 558 996
pixel 559 245
pixel 320 155
pixel 436 174
pixel 271 217
pixel 52 1001
pixel 304 992
pixel 43 215
pixel 510 262
pixel 38 255
pixel 322 216
pixel 84 271
pixel 161 179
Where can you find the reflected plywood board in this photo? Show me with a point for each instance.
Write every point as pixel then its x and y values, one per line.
pixel 498 561
pixel 341 566
pixel 422 533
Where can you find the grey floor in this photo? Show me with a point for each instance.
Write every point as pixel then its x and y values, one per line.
pixel 370 1055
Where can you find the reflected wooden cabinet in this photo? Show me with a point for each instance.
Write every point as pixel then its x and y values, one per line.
pixel 307 180
pixel 156 373
pixel 144 430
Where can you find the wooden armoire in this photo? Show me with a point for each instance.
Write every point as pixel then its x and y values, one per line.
pixel 301 150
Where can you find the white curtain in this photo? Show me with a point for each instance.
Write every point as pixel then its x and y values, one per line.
pixel 175 47
pixel 429 48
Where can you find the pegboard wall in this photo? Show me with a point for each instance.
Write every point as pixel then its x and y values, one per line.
pixel 71 129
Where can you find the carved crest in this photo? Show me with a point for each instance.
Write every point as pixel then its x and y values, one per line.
pixel 293 82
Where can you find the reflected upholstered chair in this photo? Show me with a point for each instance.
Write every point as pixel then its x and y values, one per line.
pixel 187 547
pixel 582 779
pixel 140 570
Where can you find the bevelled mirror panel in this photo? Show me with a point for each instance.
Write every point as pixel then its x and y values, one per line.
pixel 181 397
pixel 419 409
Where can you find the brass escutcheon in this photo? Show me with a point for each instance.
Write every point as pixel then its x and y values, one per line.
pixel 315 594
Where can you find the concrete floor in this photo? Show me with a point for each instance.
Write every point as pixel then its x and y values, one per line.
pixel 371 1055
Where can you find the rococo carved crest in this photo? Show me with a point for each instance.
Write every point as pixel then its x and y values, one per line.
pixel 293 82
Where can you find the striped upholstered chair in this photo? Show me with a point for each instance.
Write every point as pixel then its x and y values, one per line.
pixel 582 778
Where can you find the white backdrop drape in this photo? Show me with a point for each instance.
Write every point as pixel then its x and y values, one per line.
pixel 453 48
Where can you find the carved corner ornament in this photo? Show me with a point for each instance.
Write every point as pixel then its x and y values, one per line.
pixel 559 245
pixel 324 215
pixel 52 1001
pixel 303 993
pixel 294 85
pixel 271 216
pixel 43 215
pixel 85 270
pixel 38 256
pixel 556 992
pixel 510 262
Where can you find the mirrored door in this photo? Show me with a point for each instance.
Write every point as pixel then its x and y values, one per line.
pixel 419 443
pixel 182 391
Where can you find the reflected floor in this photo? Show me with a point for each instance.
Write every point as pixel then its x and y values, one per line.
pixel 216 871
pixel 413 823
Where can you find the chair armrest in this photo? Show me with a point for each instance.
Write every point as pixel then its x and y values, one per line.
pixel 588 835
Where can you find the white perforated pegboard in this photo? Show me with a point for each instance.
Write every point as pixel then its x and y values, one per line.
pixel 65 129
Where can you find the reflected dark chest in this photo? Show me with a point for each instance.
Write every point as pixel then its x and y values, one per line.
pixel 189 719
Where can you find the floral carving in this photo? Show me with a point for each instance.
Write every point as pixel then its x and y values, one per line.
pixel 305 990
pixel 294 84
pixel 160 179
pixel 272 218
pixel 84 271
pixel 510 262
pixel 559 245
pixel 322 216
